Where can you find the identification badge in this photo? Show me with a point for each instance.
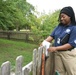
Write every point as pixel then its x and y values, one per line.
pixel 58 40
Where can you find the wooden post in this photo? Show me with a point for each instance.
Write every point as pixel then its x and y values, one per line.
pixel 50 64
pixel 5 68
pixel 8 35
pixel 39 61
pixel 27 69
pixel 27 37
pixel 43 61
pixel 35 62
pixel 19 61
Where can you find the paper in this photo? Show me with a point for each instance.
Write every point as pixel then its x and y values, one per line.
pixel 47 45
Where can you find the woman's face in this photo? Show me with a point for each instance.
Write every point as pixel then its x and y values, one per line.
pixel 65 19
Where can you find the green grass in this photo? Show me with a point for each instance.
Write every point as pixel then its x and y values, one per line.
pixel 9 50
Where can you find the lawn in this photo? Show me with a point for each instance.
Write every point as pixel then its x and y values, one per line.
pixel 9 50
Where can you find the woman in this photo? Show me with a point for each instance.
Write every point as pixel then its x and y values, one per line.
pixel 64 36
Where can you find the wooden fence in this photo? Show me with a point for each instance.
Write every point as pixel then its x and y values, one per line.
pixel 33 68
pixel 20 35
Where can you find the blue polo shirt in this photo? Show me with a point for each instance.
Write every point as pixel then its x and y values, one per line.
pixel 60 31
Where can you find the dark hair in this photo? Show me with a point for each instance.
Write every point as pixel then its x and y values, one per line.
pixel 70 12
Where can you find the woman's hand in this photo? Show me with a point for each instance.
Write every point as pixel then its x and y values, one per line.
pixel 52 49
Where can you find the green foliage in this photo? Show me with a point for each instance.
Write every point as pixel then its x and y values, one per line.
pixel 50 22
pixel 5 16
pixel 46 24
pixel 13 14
pixel 19 14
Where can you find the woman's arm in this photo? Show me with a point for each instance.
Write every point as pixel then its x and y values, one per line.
pixel 59 48
pixel 64 47
pixel 49 39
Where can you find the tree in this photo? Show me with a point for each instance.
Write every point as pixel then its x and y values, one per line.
pixel 49 22
pixel 5 14
pixel 14 13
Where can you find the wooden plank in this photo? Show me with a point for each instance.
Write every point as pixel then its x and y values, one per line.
pixel 39 61
pixel 5 68
pixel 43 61
pixel 19 61
pixel 35 62
pixel 27 69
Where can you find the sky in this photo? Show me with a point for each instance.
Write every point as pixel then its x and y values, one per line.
pixel 51 5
